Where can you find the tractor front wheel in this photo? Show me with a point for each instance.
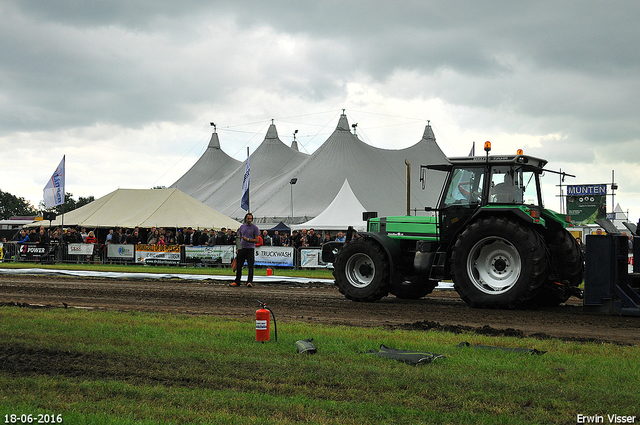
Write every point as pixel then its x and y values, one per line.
pixel 498 263
pixel 361 270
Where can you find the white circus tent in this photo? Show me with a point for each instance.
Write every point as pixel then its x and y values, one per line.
pixel 376 176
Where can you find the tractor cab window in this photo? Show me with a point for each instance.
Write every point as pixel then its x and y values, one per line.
pixel 530 188
pixel 465 187
pixel 513 185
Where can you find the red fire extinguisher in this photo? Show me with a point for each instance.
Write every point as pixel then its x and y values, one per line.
pixel 262 323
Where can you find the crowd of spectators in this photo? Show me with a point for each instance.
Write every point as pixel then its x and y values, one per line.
pixel 100 238
pixel 164 236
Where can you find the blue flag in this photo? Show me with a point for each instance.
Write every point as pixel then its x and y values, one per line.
pixel 244 203
pixel 54 190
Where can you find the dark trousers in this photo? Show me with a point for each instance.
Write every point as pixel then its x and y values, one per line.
pixel 248 255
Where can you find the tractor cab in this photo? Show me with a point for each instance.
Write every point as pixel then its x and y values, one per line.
pixel 480 183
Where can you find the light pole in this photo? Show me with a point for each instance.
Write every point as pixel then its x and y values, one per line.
pixel 292 182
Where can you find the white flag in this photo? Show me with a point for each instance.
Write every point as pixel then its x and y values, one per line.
pixel 54 190
pixel 244 203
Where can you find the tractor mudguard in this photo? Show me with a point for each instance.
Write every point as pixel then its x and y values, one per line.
pixel 516 211
pixel 393 251
pixel 329 249
pixel 390 247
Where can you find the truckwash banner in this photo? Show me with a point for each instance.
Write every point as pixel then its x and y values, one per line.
pixel 587 203
pixel 158 254
pixel 274 256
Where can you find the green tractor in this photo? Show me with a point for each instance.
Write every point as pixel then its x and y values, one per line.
pixel 490 234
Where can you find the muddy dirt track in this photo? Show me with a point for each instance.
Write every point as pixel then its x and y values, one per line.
pixel 319 303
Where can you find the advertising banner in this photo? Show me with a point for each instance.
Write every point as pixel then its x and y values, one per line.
pixel 158 254
pixel 281 256
pixel 123 252
pixel 80 249
pixel 31 251
pixel 587 203
pixel 222 253
pixel 311 258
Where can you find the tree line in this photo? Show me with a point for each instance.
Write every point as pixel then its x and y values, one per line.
pixel 15 206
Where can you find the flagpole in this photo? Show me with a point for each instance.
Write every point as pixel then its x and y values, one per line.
pixel 64 188
pixel 248 187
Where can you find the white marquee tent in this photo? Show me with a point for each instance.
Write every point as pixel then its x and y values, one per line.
pixel 146 208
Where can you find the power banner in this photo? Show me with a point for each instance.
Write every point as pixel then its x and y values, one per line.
pixel 274 256
pixel 158 254
pixel 222 253
pixel 587 203
pixel 31 251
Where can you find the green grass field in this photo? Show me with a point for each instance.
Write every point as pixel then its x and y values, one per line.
pixel 96 367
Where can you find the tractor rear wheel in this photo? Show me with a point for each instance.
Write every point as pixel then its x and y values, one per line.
pixel 413 287
pixel 498 263
pixel 362 270
pixel 567 270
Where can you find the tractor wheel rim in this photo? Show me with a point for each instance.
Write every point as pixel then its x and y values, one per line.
pixel 360 270
pixel 494 265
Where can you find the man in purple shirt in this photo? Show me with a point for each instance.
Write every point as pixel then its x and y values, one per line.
pixel 248 234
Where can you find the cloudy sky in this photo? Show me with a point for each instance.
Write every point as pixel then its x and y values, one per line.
pixel 127 89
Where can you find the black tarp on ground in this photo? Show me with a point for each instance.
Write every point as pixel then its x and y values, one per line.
pixel 406 356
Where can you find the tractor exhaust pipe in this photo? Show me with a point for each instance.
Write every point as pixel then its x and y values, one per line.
pixel 408 187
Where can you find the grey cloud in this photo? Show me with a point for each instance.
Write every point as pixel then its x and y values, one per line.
pixel 562 65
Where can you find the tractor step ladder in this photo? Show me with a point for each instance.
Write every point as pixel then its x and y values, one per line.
pixel 439 264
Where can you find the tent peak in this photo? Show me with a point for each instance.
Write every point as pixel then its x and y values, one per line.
pixel 272 133
pixel 428 133
pixel 214 142
pixel 343 123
